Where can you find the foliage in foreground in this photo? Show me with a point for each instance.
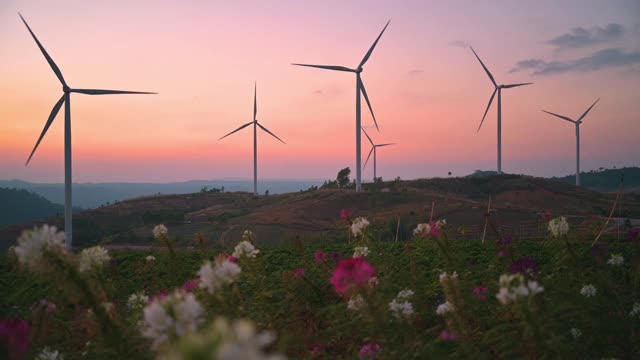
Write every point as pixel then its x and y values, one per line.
pixel 432 297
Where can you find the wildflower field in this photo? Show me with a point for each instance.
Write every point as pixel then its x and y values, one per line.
pixel 566 296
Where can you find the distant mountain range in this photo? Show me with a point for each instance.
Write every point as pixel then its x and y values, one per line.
pixel 93 195
pixel 20 205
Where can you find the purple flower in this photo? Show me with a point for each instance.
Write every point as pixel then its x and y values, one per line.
pixel 446 335
pixel 633 234
pixel 369 351
pixel 524 265
pixel 15 334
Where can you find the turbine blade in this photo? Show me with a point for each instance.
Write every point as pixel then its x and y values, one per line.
pixel 270 133
pixel 560 116
pixel 487 110
pixel 52 116
pixel 515 85
pixel 485 68
pixel 367 135
pixel 327 67
pixel 381 145
pixel 366 98
pixel 368 54
pixel 109 92
pixel 255 101
pixel 368 156
pixel 236 130
pixel 589 109
pixel 53 65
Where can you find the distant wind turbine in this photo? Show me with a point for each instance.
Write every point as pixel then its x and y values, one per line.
pixel 256 124
pixel 374 150
pixel 66 99
pixel 577 122
pixel 359 88
pixel 498 88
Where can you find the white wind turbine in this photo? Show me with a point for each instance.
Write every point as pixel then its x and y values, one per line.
pixel 374 150
pixel 66 99
pixel 359 88
pixel 498 88
pixel 255 124
pixel 577 123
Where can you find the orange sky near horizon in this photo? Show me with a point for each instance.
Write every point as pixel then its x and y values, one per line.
pixel 428 95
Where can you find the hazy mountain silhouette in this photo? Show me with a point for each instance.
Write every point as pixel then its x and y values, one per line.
pixel 19 205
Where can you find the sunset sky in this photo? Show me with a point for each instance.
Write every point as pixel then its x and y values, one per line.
pixel 427 89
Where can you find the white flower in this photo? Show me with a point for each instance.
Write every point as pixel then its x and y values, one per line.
pixel 160 231
pixel 559 226
pixel 214 276
pixel 356 303
pixel 247 235
pixel 615 259
pixel 400 306
pixel 576 333
pixel 150 258
pixel 635 310
pixel 401 309
pixel 422 228
pixel 358 226
pixel 405 294
pixel 588 290
pixel 444 276
pixel 239 340
pixel 245 248
pixel 93 258
pixel 32 243
pixel 171 317
pixel 360 251
pixel 440 223
pixel 444 308
pixel 513 286
pixel 137 300
pixel 48 354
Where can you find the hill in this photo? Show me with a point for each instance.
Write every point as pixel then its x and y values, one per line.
pixel 19 206
pixel 608 180
pixel 517 202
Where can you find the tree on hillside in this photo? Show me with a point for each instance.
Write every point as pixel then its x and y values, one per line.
pixel 343 177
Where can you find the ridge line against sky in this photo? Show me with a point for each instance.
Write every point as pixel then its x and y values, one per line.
pixel 425 86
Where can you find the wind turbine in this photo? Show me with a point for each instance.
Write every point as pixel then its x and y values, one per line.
pixel 359 88
pixel 255 124
pixel 66 100
pixel 374 150
pixel 498 88
pixel 577 122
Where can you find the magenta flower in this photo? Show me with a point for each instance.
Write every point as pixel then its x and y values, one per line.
pixel 222 257
pixel 480 293
pixel 159 296
pixel 352 274
pixel 320 257
pixel 345 214
pixel 15 334
pixel 298 273
pixel 190 285
pixel 446 335
pixel 633 234
pixel 369 351
pixel 524 265
pixel 435 229
pixel 502 253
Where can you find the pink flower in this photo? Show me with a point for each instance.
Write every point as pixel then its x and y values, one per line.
pixel 191 285
pixel 435 229
pixel 298 273
pixel 446 335
pixel 369 351
pixel 15 334
pixel 480 293
pixel 352 274
pixel 159 296
pixel 320 257
pixel 222 257
pixel 502 253
pixel 345 214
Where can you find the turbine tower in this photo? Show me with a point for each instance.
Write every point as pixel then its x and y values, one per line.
pixel 66 100
pixel 374 150
pixel 497 88
pixel 577 123
pixel 256 125
pixel 359 88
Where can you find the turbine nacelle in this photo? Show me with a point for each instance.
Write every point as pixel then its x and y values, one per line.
pixel 66 89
